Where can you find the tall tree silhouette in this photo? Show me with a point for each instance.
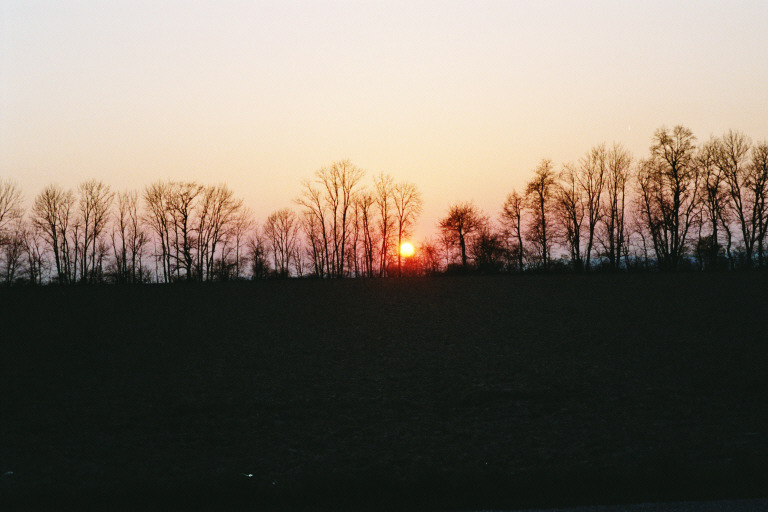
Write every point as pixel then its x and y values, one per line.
pixel 570 209
pixel 591 176
pixel 616 181
pixel 281 232
pixel 540 192
pixel 669 186
pixel 512 222
pixel 217 214
pixel 52 213
pixel 94 202
pixel 383 186
pixel 746 188
pixel 408 204
pixel 327 201
pixel 758 169
pixel 462 221
pixel 128 239
pixel 10 205
pixel 714 198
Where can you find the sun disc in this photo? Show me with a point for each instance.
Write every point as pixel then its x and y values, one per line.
pixel 406 250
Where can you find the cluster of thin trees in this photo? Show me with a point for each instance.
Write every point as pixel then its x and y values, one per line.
pixel 171 231
pixel 353 230
pixel 186 231
pixel 682 206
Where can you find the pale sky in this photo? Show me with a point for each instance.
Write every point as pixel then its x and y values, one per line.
pixel 461 98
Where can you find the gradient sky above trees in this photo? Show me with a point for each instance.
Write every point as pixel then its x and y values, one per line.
pixel 461 98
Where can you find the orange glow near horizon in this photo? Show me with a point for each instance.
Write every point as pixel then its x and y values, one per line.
pixel 462 99
pixel 407 250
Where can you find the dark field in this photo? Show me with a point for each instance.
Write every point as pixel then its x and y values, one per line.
pixel 445 393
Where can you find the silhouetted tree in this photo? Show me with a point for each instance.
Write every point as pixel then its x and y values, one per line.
pixel 327 202
pixel 10 206
pixel 713 203
pixel 746 188
pixel 487 248
pixel 463 221
pixel 11 227
pixel 182 208
pixel 281 233
pixel 512 221
pixel 241 227
pixel 570 210
pixel 157 198
pixel 35 249
pixel 364 215
pixel 128 239
pixel 316 243
pixel 384 186
pixel 94 201
pixel 408 204
pixel 196 227
pixel 257 248
pixel 616 180
pixel 540 192
pixel 590 176
pixel 12 250
pixel 51 214
pixel 759 172
pixel 669 187
pixel 217 214
pixel 429 257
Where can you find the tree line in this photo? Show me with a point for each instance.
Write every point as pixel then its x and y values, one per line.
pixel 682 206
pixel 186 231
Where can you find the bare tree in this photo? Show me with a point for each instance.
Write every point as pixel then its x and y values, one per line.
pixel 384 186
pixel 35 249
pixel 182 205
pixel 461 223
pixel 257 247
pixel 315 237
pixel 759 172
pixel 429 257
pixel 364 218
pixel 512 222
pixel 242 226
pixel 10 205
pixel 487 248
pixel 327 203
pixel 281 232
pixel 669 186
pixel 120 237
pixel 128 239
pixel 11 227
pixel 51 214
pixel 157 200
pixel 12 250
pixel 540 192
pixel 616 181
pixel 216 216
pixel 714 199
pixel 746 187
pixel 591 176
pixel 570 210
pixel 95 199
pixel 408 205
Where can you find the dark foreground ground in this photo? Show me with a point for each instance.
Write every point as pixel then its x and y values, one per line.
pixel 445 393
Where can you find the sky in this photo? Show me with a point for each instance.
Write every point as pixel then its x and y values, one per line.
pixel 463 99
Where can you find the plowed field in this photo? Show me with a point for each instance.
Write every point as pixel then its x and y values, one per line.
pixel 440 393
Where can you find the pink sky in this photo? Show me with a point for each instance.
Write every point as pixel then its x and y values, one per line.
pixel 461 98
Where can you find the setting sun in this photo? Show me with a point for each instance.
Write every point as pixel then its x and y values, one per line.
pixel 406 250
